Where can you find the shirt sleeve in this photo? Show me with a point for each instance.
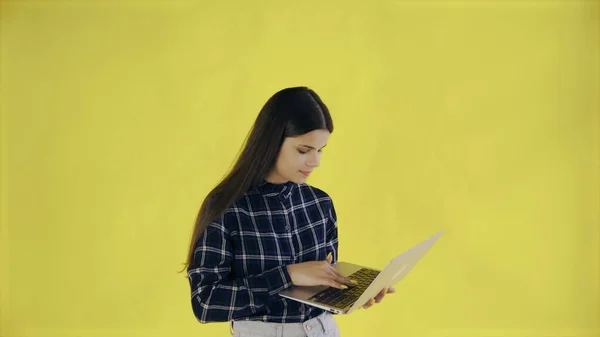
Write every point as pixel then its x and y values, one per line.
pixel 332 233
pixel 215 296
pixel 332 237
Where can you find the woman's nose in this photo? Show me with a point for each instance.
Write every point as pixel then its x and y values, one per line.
pixel 314 160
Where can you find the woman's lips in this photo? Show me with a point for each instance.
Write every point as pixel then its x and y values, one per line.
pixel 306 173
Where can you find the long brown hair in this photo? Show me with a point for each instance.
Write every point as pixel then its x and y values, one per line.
pixel 288 113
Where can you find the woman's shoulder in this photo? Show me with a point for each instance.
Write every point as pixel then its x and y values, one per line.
pixel 313 192
pixel 240 209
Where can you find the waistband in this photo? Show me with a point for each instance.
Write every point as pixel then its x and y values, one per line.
pixel 322 323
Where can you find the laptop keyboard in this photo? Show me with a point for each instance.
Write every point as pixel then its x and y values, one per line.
pixel 340 298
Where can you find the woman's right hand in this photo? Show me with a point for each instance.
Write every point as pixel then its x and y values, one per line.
pixel 316 273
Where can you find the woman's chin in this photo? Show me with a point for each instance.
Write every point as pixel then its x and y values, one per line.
pixel 299 180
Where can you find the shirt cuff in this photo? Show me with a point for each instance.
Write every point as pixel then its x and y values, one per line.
pixel 278 279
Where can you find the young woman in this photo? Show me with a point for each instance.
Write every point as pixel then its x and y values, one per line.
pixel 263 229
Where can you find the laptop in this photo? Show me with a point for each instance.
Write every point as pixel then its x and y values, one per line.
pixel 370 281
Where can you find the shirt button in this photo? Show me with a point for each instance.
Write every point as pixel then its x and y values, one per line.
pixel 302 309
pixel 287 228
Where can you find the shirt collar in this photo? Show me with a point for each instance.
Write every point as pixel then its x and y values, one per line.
pixel 270 189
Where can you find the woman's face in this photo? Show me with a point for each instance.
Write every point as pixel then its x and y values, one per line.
pixel 298 157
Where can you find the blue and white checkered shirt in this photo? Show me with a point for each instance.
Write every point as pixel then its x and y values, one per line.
pixel 239 262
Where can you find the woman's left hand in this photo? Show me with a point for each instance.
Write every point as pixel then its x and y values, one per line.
pixel 379 297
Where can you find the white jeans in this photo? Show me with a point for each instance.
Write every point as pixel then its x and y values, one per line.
pixel 323 325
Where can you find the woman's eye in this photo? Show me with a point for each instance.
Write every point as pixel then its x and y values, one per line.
pixel 303 151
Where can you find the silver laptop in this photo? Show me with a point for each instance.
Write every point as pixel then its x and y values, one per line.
pixel 370 281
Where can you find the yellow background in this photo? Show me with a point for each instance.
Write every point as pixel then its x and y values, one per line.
pixel 478 117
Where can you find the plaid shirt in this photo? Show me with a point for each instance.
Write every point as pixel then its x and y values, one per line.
pixel 239 262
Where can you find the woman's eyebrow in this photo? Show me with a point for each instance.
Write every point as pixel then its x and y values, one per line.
pixel 310 147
